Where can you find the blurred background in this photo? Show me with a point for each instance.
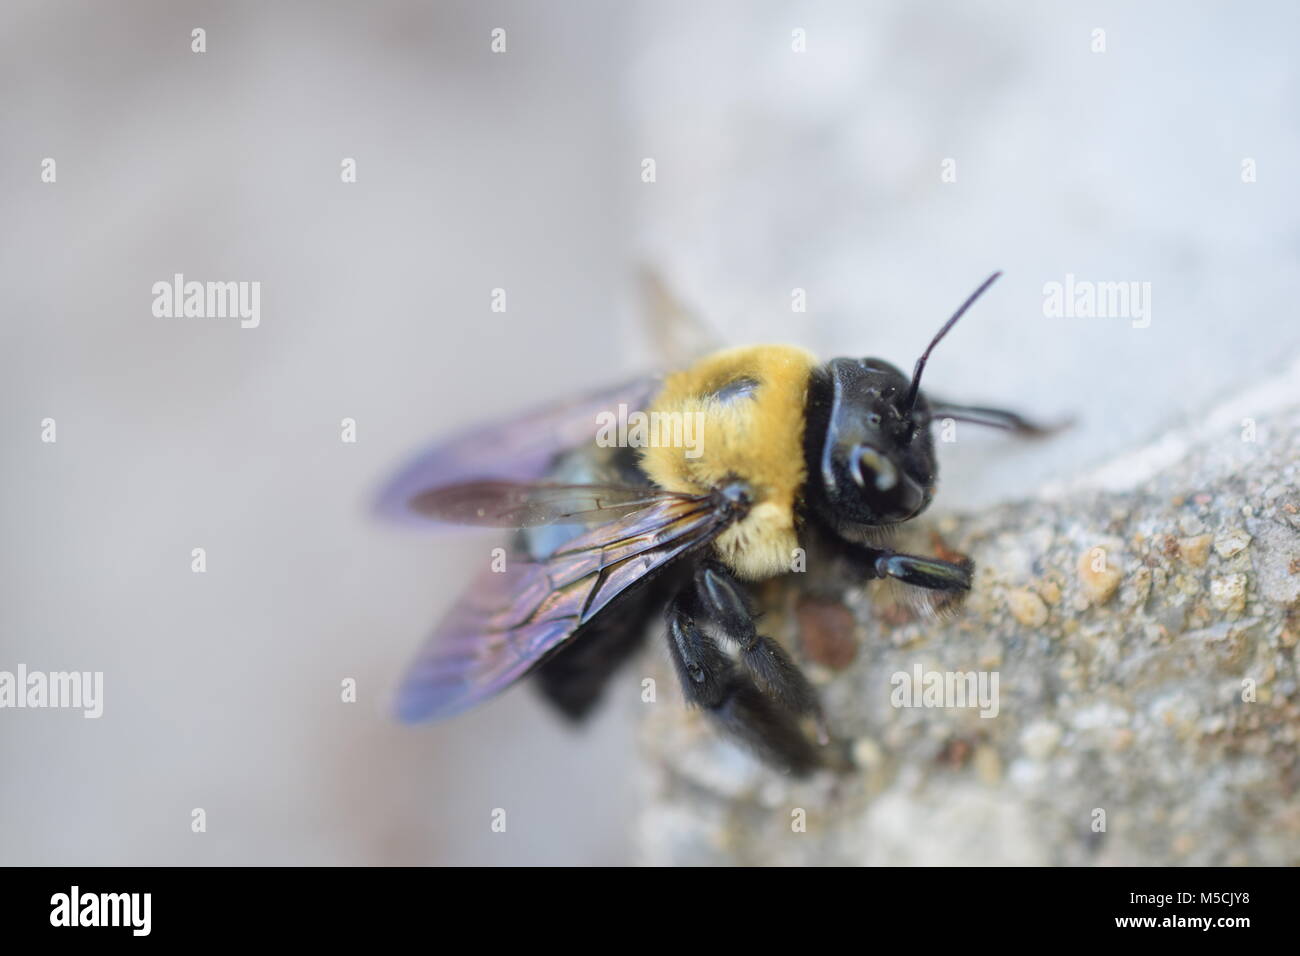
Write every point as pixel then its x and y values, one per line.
pixel 775 168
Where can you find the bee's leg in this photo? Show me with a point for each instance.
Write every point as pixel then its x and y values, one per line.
pixel 992 417
pixel 930 573
pixel 712 681
pixel 723 602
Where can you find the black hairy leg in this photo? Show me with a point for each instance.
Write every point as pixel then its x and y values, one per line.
pixel 712 681
pixel 722 602
pixel 934 586
pixel 929 573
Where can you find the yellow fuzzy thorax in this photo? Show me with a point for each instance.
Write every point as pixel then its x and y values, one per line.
pixel 753 432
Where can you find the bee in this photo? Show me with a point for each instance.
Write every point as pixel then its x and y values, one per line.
pixel 788 452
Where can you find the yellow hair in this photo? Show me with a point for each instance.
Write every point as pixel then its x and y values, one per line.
pixel 756 436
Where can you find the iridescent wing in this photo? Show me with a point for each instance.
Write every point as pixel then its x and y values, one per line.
pixel 520 449
pixel 510 504
pixel 509 622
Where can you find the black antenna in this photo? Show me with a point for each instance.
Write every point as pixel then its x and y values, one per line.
pixel 920 363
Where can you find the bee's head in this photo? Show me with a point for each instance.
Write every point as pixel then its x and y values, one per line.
pixel 870 455
pixel 869 452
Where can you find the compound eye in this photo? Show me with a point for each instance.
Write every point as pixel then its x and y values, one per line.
pixel 871 469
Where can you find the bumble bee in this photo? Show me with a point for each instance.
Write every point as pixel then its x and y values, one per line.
pixel 788 452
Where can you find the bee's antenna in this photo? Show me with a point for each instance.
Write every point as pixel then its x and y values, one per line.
pixel 920 363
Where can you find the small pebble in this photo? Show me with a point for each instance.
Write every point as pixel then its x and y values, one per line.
pixel 1098 585
pixel 826 633
pixel 1231 542
pixel 1027 607
pixel 1228 593
pixel 1196 550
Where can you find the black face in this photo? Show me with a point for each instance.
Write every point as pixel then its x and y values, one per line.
pixel 870 458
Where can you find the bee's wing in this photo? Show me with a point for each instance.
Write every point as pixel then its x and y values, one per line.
pixel 520 449
pixel 508 622
pixel 510 504
pixel 679 334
